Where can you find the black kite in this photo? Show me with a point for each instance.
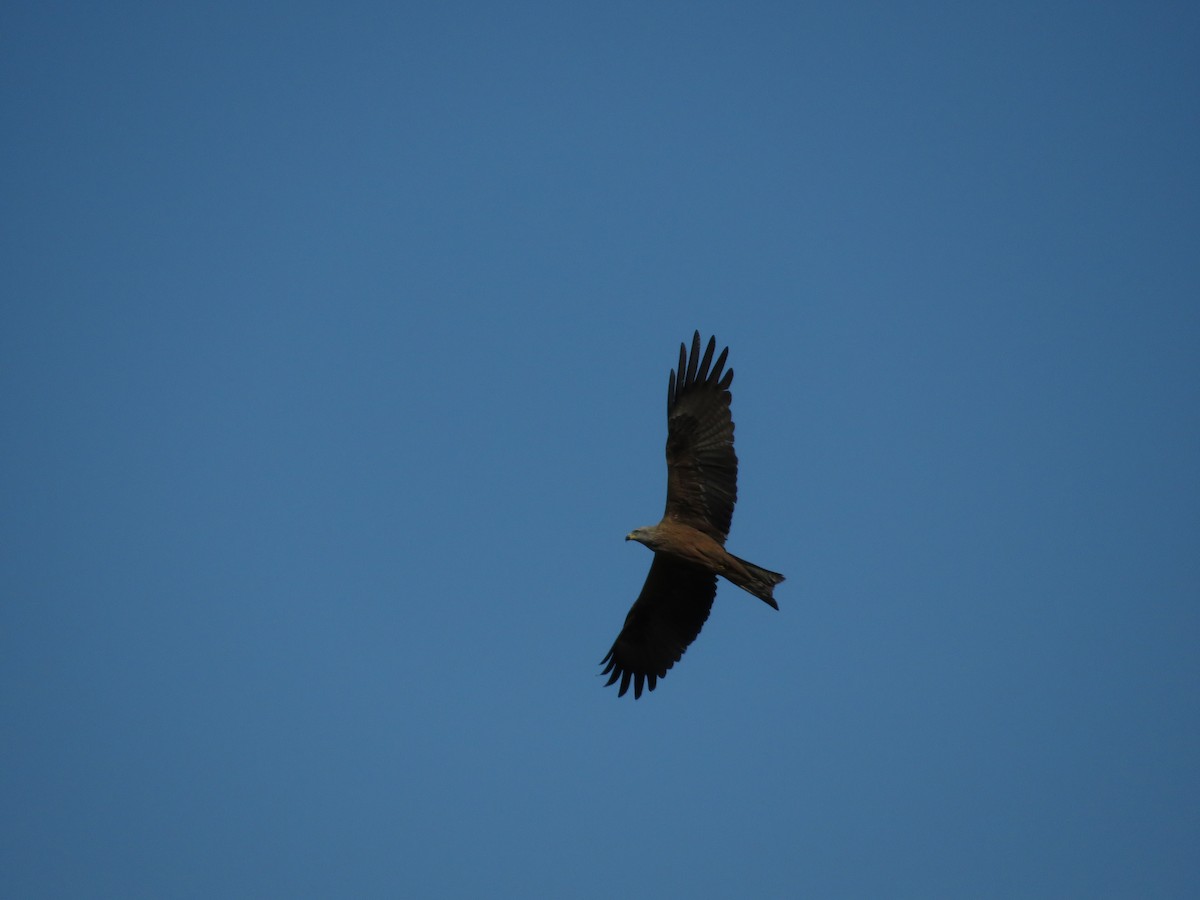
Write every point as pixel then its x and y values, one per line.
pixel 689 542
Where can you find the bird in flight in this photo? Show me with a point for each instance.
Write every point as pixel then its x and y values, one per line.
pixel 689 542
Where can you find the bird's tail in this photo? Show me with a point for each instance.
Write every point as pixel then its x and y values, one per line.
pixel 758 581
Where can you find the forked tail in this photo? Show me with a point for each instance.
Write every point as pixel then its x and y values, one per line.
pixel 758 581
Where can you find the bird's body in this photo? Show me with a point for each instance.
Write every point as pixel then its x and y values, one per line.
pixel 689 546
pixel 689 542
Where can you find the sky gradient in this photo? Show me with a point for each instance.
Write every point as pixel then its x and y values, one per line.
pixel 334 345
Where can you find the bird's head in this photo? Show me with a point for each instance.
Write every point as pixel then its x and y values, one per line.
pixel 644 535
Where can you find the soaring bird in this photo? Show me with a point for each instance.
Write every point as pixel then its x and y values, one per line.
pixel 689 542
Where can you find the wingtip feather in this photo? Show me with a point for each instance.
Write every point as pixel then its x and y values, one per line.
pixel 693 359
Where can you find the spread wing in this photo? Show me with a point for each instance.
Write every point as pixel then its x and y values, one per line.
pixel 701 464
pixel 665 619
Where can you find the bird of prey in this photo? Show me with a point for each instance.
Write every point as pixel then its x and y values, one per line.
pixel 689 542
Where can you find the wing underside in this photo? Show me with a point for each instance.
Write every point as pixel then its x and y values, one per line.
pixel 666 617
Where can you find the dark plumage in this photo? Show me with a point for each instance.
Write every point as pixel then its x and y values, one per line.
pixel 689 542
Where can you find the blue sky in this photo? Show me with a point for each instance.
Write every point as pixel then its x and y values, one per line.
pixel 335 342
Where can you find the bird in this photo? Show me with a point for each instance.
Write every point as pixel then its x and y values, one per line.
pixel 689 542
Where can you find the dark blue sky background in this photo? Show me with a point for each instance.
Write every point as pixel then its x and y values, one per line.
pixel 334 349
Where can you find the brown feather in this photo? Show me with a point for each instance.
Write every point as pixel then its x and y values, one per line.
pixel 688 543
pixel 666 617
pixel 701 463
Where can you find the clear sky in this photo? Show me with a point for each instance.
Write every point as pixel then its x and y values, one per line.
pixel 334 351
